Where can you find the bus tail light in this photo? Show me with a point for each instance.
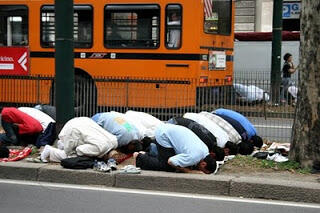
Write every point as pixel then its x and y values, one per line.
pixel 228 79
pixel 203 79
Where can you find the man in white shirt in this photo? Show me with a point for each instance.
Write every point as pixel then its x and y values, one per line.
pixel 81 137
pixel 221 136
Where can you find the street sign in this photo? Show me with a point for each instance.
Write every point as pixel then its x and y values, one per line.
pixel 14 61
pixel 291 10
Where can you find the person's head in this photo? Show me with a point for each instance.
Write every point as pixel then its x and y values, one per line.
pixel 287 57
pixel 257 141
pixel 175 16
pixel 133 146
pixel 233 148
pixel 245 148
pixel 208 165
pixel 219 153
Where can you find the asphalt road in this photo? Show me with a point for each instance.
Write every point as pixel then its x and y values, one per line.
pixel 33 197
pixel 274 129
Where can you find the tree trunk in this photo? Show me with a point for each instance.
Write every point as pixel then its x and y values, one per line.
pixel 305 138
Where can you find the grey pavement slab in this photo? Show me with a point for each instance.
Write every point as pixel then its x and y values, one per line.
pixel 19 170
pixel 58 174
pixel 176 182
pixel 276 189
pixel 277 186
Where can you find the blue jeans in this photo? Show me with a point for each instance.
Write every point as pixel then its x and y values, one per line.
pixel 159 163
pixel 153 150
pixel 286 82
pixel 11 134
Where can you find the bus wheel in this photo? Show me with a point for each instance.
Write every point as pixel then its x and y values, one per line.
pixel 85 96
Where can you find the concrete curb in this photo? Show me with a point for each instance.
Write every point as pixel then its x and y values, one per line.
pixel 227 185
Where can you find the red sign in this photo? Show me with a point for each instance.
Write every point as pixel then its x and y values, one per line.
pixel 14 61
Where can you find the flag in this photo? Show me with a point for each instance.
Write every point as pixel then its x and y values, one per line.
pixel 208 8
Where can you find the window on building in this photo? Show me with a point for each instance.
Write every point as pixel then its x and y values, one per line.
pixel 82 29
pixel 13 25
pixel 217 16
pixel 132 26
pixel 173 26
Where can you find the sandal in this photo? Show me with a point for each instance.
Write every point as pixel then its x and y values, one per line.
pixel 130 169
pixel 35 160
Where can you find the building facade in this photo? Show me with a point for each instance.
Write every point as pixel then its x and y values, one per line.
pixel 256 15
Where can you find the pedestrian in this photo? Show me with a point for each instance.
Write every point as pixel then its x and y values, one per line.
pixel 126 132
pixel 204 134
pixel 80 136
pixel 19 127
pixel 287 70
pixel 40 116
pixel 178 150
pixel 246 124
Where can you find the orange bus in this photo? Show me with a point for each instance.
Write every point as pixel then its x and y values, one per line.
pixel 140 53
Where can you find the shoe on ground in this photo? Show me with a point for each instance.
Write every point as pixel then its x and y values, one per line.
pixel 101 166
pixel 277 158
pixel 112 164
pixel 130 169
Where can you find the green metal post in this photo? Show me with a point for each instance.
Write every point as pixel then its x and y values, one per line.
pixel 276 51
pixel 64 62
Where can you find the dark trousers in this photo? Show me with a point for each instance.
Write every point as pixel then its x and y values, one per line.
pixel 10 137
pixel 159 163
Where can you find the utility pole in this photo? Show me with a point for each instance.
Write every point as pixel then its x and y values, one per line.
pixel 64 64
pixel 276 51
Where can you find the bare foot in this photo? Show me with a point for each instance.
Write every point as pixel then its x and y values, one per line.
pixel 135 155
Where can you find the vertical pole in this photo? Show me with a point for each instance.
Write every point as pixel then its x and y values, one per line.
pixel 64 62
pixel 276 51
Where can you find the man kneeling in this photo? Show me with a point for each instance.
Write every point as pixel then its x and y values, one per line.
pixel 178 148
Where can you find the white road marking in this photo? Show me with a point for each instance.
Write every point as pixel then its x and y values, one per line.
pixel 158 193
pixel 273 126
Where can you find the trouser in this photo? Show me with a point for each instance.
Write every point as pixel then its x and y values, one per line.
pixel 286 82
pixel 159 163
pixel 52 154
pixel 10 135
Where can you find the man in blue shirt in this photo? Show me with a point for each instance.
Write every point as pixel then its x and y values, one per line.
pixel 128 137
pixel 204 134
pixel 178 148
pixel 246 124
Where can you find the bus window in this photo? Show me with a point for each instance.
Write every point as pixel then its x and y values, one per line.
pixel 173 26
pixel 13 25
pixel 82 30
pixel 132 26
pixel 217 15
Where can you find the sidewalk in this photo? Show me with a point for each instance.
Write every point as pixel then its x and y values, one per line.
pixel 284 186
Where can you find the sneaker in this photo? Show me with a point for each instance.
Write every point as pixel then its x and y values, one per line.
pixel 101 166
pixel 112 164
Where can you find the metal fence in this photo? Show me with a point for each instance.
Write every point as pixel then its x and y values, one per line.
pixel 163 98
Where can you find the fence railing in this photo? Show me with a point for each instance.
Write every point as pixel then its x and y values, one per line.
pixel 163 98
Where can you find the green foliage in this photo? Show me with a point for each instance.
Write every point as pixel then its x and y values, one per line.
pixel 34 150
